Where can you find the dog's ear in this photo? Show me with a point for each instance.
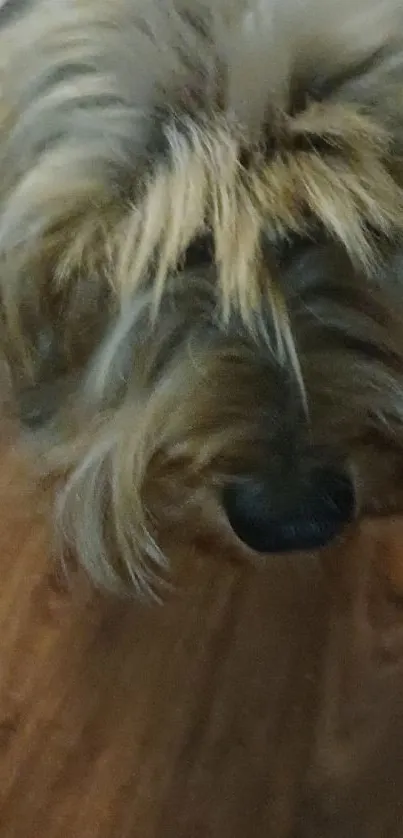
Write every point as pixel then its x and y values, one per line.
pixel 68 135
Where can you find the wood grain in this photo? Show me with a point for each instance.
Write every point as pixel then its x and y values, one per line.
pixel 255 702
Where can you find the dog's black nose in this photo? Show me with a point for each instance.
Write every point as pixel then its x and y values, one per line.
pixel 308 516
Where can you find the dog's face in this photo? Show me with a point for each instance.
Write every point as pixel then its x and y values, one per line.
pixel 202 266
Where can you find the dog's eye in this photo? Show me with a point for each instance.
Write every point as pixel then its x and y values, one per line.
pixel 284 249
pixel 200 252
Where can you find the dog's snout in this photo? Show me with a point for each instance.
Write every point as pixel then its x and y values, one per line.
pixel 308 512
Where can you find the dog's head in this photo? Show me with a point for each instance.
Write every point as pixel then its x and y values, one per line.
pixel 201 233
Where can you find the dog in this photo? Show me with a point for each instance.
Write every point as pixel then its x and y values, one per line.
pixel 201 285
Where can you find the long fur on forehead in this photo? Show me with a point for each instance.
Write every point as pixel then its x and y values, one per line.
pixel 91 87
pixel 87 85
pixel 204 184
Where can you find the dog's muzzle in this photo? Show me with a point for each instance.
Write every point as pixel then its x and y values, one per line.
pixel 308 512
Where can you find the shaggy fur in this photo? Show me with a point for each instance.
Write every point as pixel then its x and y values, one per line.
pixel 201 220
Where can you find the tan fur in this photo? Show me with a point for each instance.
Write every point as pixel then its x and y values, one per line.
pixel 130 129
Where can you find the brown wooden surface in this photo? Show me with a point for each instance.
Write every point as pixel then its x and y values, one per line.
pixel 257 702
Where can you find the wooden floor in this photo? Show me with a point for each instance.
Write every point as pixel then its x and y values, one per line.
pixel 257 702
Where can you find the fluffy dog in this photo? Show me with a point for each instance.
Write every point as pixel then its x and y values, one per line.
pixel 201 285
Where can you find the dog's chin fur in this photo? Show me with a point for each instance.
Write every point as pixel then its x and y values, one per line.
pixel 201 220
